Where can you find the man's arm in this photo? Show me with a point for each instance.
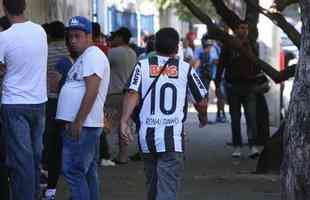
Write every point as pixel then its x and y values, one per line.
pixel 92 86
pixel 200 94
pixel 131 100
pixel 202 109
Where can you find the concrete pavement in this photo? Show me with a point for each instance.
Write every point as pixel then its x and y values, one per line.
pixel 210 172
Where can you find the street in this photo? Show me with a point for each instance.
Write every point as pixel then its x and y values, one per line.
pixel 210 171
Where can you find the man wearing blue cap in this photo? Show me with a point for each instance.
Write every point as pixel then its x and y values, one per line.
pixel 80 108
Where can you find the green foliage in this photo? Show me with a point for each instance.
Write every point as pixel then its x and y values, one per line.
pixel 182 11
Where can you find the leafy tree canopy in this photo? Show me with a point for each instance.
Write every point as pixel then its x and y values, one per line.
pixel 184 13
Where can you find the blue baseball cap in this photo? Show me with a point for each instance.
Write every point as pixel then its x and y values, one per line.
pixel 80 23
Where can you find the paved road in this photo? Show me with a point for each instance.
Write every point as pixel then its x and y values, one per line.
pixel 210 172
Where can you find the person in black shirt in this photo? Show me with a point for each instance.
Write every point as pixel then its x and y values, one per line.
pixel 240 76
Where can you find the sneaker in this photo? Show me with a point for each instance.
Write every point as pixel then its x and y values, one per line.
pixel 254 152
pixel 107 163
pixel 236 153
pixel 50 194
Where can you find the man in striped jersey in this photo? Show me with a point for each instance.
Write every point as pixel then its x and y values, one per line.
pixel 162 113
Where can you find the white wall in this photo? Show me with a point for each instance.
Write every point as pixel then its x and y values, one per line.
pixel 42 11
pixel 65 9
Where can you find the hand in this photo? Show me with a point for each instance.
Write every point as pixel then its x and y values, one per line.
pixel 202 108
pixel 75 129
pixel 203 120
pixel 126 134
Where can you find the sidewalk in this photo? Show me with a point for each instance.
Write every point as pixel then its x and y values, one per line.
pixel 210 172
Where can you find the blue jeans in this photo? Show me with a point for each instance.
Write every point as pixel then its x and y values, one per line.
pixel 79 162
pixel 164 172
pixel 23 127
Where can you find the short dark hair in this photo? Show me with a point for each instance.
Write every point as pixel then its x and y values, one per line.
pixel 96 29
pixel 124 33
pixel 5 23
pixel 57 30
pixel 167 41
pixel 15 7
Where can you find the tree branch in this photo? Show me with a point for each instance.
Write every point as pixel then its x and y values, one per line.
pixel 280 21
pixel 227 14
pixel 252 16
pixel 216 33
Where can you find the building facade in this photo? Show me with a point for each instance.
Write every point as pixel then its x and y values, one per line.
pixel 140 16
pixel 42 11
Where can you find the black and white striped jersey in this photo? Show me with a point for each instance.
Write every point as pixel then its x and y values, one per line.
pixel 160 126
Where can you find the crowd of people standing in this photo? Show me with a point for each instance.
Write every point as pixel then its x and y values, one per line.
pixel 63 85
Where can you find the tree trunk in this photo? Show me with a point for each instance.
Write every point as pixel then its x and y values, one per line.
pixel 295 171
pixel 271 157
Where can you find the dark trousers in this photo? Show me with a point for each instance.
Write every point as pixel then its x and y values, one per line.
pixel 262 120
pixel 248 101
pixel 53 145
pixel 4 177
pixel 104 147
pixel 4 182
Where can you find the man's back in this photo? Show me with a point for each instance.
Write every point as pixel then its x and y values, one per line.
pixel 164 109
pixel 122 61
pixel 24 52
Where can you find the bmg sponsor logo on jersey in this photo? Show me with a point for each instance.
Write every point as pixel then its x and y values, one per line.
pixel 171 71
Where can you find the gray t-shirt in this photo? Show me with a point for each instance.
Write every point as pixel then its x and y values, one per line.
pixel 122 61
